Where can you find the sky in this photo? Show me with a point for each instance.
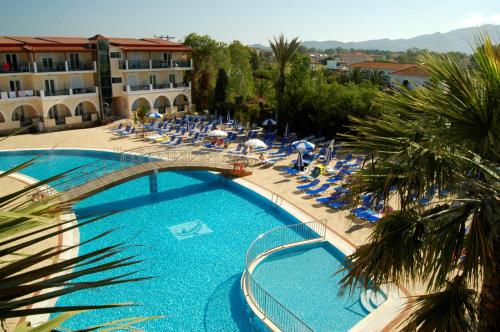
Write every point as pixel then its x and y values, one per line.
pixel 250 21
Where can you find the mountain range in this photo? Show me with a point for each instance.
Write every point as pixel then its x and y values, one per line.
pixel 459 40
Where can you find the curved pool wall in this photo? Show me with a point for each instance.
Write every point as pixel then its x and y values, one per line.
pixel 196 255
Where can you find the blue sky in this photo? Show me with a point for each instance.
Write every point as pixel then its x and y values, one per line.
pixel 251 21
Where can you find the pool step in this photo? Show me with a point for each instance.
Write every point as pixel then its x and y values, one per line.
pixel 371 299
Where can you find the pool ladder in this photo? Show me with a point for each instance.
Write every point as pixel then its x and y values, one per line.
pixel 277 199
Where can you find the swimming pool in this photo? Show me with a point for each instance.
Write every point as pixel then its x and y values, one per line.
pixel 193 235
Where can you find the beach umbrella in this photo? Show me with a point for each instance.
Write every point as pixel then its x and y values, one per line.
pixel 228 117
pixel 269 122
pixel 285 134
pixel 303 145
pixel 329 155
pixel 155 115
pixel 190 127
pixel 255 143
pixel 300 161
pixel 217 133
pixel 174 120
pixel 220 120
pixel 332 143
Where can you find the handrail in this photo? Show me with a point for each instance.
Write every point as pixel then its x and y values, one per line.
pixel 129 158
pixel 278 238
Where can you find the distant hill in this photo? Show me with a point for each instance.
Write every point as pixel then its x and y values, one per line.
pixel 456 40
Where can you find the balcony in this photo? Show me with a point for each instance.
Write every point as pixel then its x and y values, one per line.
pixel 20 67
pixel 81 91
pixel 51 67
pixel 81 66
pixel 68 92
pixel 152 87
pixel 181 64
pixel 4 95
pixel 161 64
pixel 154 64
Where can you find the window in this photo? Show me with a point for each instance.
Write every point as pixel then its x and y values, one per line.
pixel 116 80
pixel 115 55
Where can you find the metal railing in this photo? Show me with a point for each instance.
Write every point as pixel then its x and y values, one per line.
pixel 43 67
pixel 276 239
pixel 60 92
pixel 118 162
pixel 161 86
pixel 181 63
pixel 19 67
pixel 79 91
pixel 139 87
pixel 80 65
pixel 138 64
pixel 160 64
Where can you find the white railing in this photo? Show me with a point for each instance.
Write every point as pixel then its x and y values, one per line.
pixel 276 239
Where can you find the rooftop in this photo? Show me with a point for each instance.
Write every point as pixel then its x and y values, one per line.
pixel 382 65
pixel 73 44
pixel 416 70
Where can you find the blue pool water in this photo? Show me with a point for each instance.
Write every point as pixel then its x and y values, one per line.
pixel 315 286
pixel 193 236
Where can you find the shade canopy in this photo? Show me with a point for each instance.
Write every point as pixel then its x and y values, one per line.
pixel 269 122
pixel 217 133
pixel 155 115
pixel 255 143
pixel 303 145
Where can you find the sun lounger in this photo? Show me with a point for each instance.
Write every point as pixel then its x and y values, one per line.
pixel 308 185
pixel 313 192
pixel 120 126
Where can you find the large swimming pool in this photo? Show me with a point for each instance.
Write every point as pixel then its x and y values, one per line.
pixel 193 236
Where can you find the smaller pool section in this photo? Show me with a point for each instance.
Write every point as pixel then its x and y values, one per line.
pixel 305 279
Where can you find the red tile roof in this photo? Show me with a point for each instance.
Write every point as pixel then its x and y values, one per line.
pixel 381 65
pixel 416 70
pixel 79 44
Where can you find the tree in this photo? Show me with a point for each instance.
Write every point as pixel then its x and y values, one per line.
pixel 220 92
pixel 240 71
pixel 283 53
pixel 440 137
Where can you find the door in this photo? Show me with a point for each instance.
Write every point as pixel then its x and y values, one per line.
pixel 50 87
pixel 152 80
pixel 74 61
pixel 14 88
pixel 167 57
pixel 132 80
pixel 11 59
pixel 47 63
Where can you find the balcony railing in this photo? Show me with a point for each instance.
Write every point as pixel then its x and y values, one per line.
pixel 161 86
pixel 17 94
pixel 42 67
pixel 181 63
pixel 138 64
pixel 60 92
pixel 80 91
pixel 81 65
pixel 161 64
pixel 181 85
pixel 139 87
pixel 20 67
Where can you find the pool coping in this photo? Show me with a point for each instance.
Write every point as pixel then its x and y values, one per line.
pixel 382 319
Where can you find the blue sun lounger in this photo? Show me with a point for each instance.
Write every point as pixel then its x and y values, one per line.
pixel 309 185
pixel 338 205
pixel 313 192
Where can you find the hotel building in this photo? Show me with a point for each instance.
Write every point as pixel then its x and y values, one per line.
pixel 55 83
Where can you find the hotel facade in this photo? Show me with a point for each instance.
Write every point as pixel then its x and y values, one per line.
pixel 56 83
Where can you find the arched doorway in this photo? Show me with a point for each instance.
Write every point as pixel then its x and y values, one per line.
pixel 140 103
pixel 85 109
pixel 182 102
pixel 162 104
pixel 25 114
pixel 59 112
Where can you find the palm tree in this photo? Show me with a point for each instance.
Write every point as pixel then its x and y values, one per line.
pixel 376 77
pixel 443 136
pixel 283 54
